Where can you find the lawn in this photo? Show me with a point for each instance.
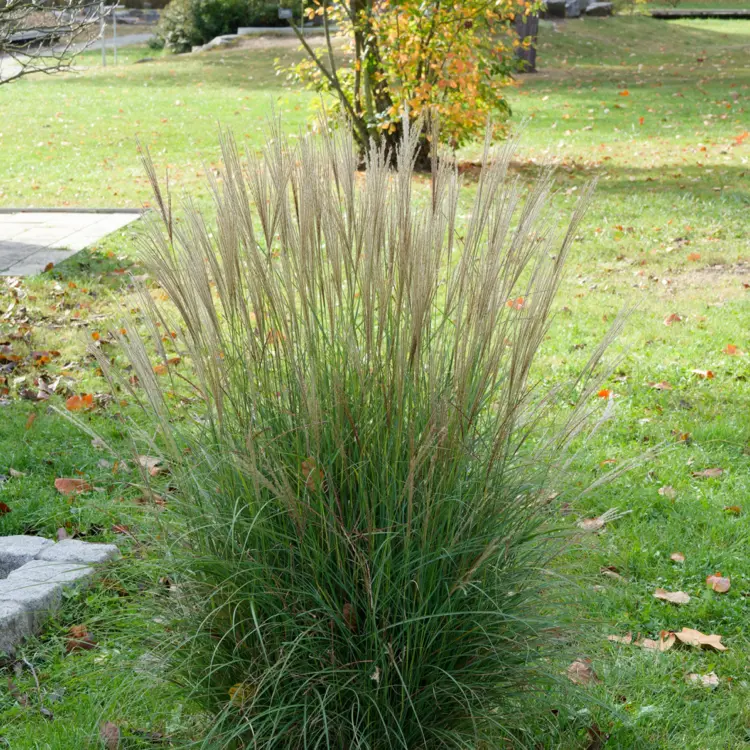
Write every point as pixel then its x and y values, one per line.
pixel 661 119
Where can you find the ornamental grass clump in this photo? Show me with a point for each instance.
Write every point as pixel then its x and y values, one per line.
pixel 358 539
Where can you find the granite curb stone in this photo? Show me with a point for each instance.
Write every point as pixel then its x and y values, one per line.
pixel 33 574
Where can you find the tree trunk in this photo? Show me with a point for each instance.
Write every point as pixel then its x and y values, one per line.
pixel 527 26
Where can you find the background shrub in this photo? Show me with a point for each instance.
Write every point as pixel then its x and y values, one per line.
pixel 187 23
pixel 358 535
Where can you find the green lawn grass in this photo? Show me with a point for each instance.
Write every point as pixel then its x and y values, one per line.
pixel 667 233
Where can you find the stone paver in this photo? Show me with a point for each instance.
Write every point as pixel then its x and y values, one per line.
pixel 15 551
pixel 33 574
pixel 30 240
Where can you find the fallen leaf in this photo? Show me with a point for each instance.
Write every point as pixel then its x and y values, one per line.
pixel 30 420
pixel 662 386
pixel 624 92
pixel 720 584
pixel 665 642
pixel 693 257
pixel 704 680
pixel 735 510
pixel 312 475
pixel 597 739
pixel 605 393
pixel 673 597
pixel 691 637
pixel 79 639
pixel 15 473
pixel 706 374
pixel 241 693
pixel 598 523
pixel 77 403
pixel 668 491
pixel 678 557
pixel 581 673
pixel 626 639
pixel 110 735
pixel 152 465
pixel 731 350
pixel 4 509
pixel 71 486
pixel 708 473
pixel 611 572
pixel 672 318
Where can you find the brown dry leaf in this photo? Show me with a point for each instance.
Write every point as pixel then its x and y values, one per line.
pixel 79 639
pixel 71 486
pixel 110 735
pixel 15 473
pixel 665 642
pixel 710 680
pixel 668 491
pixel 312 475
pixel 662 386
pixel 708 473
pixel 718 583
pixel 691 637
pixel 731 350
pixel 581 673
pixel 677 557
pixel 598 523
pixel 611 572
pixel 30 420
pixel 152 465
pixel 4 509
pixel 627 639
pixel 673 597
pixel 672 318
pixel 706 374
pixel 735 510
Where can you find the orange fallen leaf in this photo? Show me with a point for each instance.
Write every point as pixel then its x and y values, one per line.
pixel 605 393
pixel 735 510
pixel 673 597
pixel 71 486
pixel 624 92
pixel 731 350
pixel 161 369
pixel 693 257
pixel 581 672
pixel 691 637
pixel 515 304
pixel 705 374
pixel 79 639
pixel 30 420
pixel 720 584
pixel 641 120
pixel 672 318
pixel 77 403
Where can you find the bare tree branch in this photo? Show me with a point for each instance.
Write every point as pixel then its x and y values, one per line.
pixel 44 36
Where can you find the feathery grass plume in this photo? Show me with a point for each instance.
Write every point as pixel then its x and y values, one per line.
pixel 359 543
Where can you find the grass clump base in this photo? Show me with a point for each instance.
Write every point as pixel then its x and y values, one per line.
pixel 361 533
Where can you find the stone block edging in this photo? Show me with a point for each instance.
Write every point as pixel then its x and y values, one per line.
pixel 33 574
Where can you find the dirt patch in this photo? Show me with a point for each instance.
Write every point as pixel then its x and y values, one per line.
pixel 270 41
